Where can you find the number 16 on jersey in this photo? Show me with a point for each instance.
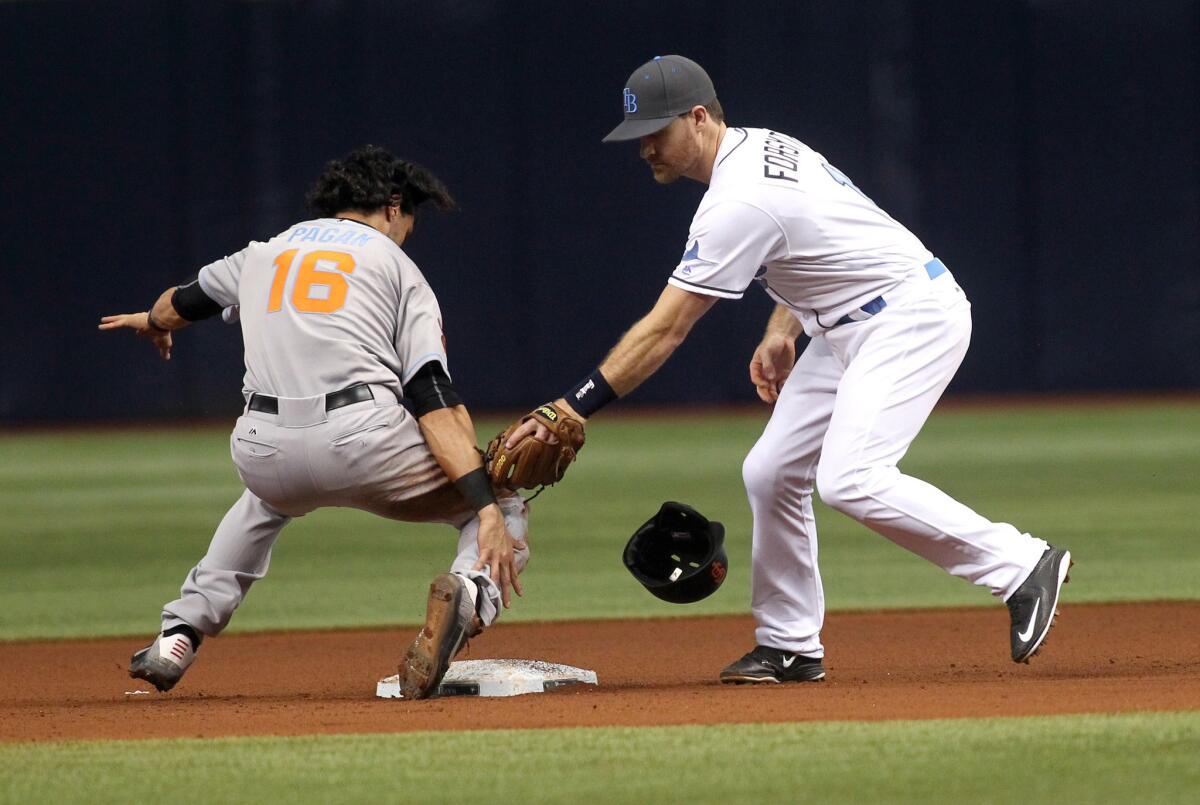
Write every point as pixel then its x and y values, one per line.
pixel 317 289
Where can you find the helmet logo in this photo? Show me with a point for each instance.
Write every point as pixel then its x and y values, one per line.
pixel 630 101
pixel 718 572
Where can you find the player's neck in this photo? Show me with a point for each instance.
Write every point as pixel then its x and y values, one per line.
pixel 708 156
pixel 376 220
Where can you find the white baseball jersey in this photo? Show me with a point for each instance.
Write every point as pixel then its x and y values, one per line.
pixel 326 304
pixel 778 213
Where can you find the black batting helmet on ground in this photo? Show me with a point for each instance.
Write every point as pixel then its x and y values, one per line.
pixel 678 554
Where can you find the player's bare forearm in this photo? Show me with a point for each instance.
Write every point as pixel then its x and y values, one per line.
pixel 641 351
pixel 783 323
pixel 653 339
pixel 639 354
pixel 451 439
pixel 165 316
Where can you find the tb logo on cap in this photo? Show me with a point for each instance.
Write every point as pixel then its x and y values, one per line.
pixel 630 101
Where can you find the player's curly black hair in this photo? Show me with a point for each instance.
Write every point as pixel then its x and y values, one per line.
pixel 369 178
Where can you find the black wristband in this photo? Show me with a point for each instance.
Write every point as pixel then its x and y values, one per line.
pixel 476 488
pixel 150 321
pixel 590 394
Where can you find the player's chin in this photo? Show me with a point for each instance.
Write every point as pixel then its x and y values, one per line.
pixel 664 174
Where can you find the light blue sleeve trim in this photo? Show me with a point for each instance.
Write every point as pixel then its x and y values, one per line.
pixel 421 361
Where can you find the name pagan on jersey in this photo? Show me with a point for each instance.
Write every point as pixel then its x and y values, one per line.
pixel 329 234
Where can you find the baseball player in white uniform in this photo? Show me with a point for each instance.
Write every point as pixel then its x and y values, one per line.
pixel 888 327
pixel 339 326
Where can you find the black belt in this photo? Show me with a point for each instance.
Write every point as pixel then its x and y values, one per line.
pixel 265 404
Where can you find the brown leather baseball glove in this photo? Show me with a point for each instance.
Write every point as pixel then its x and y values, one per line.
pixel 532 463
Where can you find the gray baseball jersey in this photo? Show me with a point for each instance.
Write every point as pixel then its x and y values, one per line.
pixel 326 304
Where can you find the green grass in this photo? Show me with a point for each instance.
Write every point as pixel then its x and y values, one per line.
pixel 97 529
pixel 1141 758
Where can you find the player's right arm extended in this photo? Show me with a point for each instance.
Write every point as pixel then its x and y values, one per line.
pixel 654 338
pixel 646 346
pixel 775 355
pixel 637 355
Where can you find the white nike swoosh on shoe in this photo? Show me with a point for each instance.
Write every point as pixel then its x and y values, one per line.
pixel 788 662
pixel 1028 633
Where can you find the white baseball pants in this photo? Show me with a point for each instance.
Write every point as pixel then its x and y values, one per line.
pixel 853 404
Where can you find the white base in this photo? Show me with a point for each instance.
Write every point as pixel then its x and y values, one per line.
pixel 498 678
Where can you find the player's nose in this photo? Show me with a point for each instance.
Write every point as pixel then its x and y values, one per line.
pixel 647 147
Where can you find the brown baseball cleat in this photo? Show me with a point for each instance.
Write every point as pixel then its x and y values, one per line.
pixel 449 620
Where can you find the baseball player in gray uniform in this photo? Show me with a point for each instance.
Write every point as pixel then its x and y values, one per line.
pixel 888 327
pixel 339 326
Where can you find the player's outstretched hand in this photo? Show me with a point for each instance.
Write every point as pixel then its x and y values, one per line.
pixel 497 552
pixel 772 363
pixel 139 322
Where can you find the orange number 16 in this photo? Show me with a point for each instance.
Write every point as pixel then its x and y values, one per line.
pixel 309 275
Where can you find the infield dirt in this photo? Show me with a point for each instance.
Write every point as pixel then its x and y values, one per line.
pixel 882 665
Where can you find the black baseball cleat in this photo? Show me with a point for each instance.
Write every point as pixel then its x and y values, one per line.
pixel 449 620
pixel 765 664
pixel 1035 603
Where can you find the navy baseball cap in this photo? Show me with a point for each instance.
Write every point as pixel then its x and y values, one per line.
pixel 659 91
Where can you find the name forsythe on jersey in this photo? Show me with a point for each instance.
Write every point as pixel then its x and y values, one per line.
pixel 780 157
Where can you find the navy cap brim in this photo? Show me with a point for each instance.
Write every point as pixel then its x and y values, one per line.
pixel 633 129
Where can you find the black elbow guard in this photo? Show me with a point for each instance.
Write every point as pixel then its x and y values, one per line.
pixel 192 303
pixel 430 389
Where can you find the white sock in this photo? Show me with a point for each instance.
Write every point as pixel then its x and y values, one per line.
pixel 472 590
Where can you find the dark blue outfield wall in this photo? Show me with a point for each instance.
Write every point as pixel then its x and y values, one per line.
pixel 1046 150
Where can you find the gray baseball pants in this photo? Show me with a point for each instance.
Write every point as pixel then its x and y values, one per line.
pixel 369 455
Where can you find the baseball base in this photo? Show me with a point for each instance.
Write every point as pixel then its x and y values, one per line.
pixel 498 678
